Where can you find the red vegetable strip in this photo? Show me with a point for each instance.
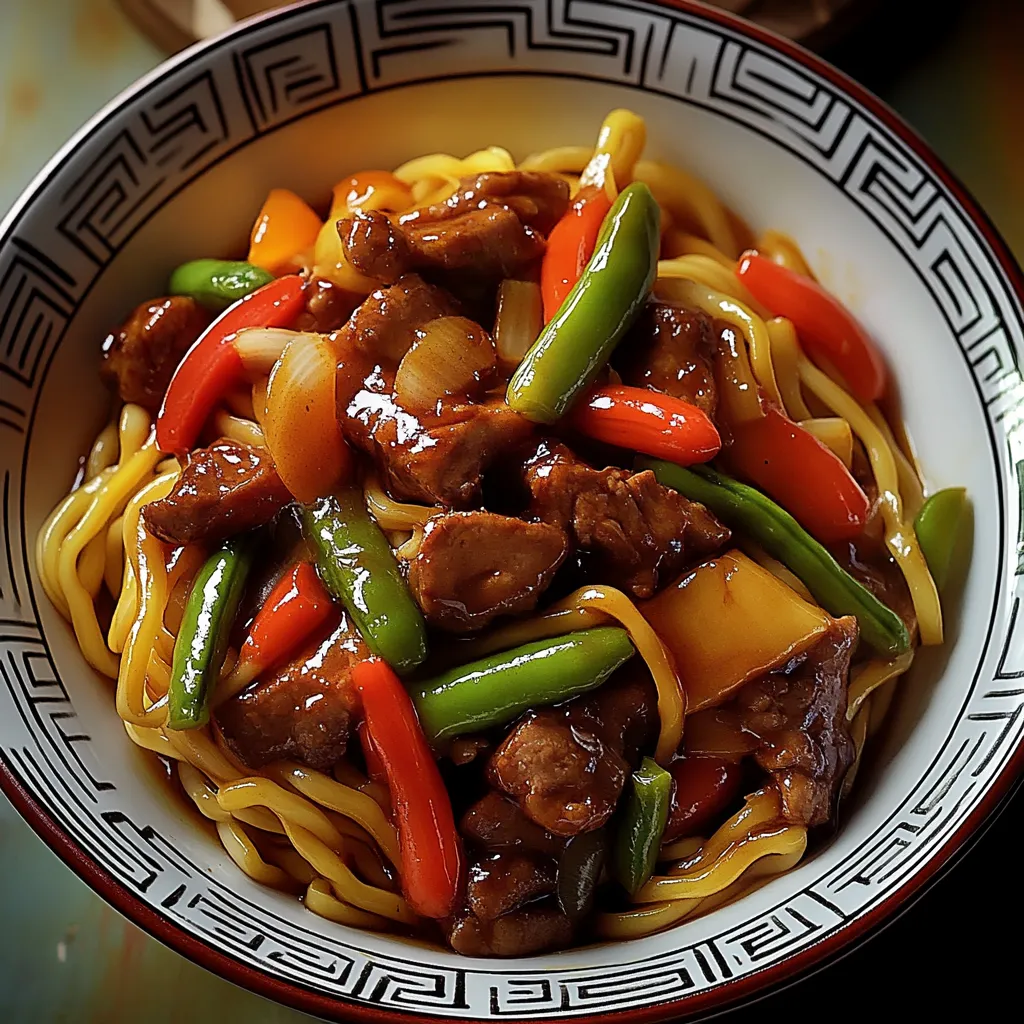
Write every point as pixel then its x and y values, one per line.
pixel 570 246
pixel 648 422
pixel 802 475
pixel 212 365
pixel 296 607
pixel 374 765
pixel 432 857
pixel 826 327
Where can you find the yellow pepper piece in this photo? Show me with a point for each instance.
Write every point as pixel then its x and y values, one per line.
pixel 285 227
pixel 714 622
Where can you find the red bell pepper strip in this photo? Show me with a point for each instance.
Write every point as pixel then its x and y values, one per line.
pixel 647 422
pixel 570 246
pixel 824 324
pixel 432 856
pixel 296 607
pixel 212 365
pixel 374 765
pixel 806 478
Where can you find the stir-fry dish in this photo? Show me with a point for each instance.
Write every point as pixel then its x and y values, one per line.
pixel 518 556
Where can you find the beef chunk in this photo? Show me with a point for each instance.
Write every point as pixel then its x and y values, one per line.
pixel 496 823
pixel 637 533
pixel 500 882
pixel 520 933
pixel 301 710
pixel 141 357
pixel 538 199
pixel 623 712
pixel 441 460
pixel 489 229
pixel 566 779
pixel 225 489
pixel 799 718
pixel 327 307
pixel 671 350
pixel 491 243
pixel 475 566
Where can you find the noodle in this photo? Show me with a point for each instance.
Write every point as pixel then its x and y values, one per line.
pixel 243 852
pixel 785 359
pixel 391 514
pixel 783 250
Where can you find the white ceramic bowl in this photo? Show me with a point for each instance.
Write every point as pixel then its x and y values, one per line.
pixel 178 165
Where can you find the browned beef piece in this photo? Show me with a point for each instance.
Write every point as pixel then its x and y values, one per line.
pixel 385 322
pixel 441 461
pixel 500 882
pixel 491 242
pixel 537 198
pixel 520 933
pixel 639 534
pixel 141 357
pixel 623 712
pixel 496 823
pixel 475 566
pixel 800 721
pixel 327 307
pixel 671 350
pixel 225 489
pixel 566 779
pixel 301 710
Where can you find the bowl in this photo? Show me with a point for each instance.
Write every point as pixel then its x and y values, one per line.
pixel 177 166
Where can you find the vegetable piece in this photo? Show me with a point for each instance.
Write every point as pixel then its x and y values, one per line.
pixel 938 526
pixel 801 474
pixel 358 567
pixel 642 826
pixel 834 432
pixel 578 341
pixel 749 511
pixel 570 246
pixel 297 606
pixel 259 348
pixel 729 621
pixel 216 284
pixel 826 327
pixel 451 356
pixel 702 789
pixel 285 227
pixel 203 634
pixel 518 320
pixel 497 689
pixel 432 856
pixel 301 421
pixel 579 871
pixel 647 422
pixel 212 365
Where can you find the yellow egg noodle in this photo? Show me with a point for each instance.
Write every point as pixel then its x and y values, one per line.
pixel 300 830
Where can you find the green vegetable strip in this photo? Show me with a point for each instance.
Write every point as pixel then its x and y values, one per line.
pixel 611 291
pixel 497 689
pixel 642 825
pixel 579 872
pixel 203 636
pixel 938 526
pixel 216 284
pixel 359 568
pixel 748 510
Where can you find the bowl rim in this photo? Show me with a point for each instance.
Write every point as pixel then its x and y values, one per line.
pixel 759 983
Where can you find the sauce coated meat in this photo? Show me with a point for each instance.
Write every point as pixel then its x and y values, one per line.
pixel 223 490
pixel 303 709
pixel 637 534
pixel 474 566
pixel 141 357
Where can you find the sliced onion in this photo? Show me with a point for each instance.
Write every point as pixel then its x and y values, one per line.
pixel 519 320
pixel 259 348
pixel 452 356
pixel 301 423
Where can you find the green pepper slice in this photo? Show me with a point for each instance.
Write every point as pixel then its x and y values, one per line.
pixel 603 303
pixel 746 509
pixel 216 284
pixel 579 871
pixel 203 636
pixel 497 689
pixel 358 567
pixel 938 527
pixel 642 825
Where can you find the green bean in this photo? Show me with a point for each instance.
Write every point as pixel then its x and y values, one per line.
pixel 216 284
